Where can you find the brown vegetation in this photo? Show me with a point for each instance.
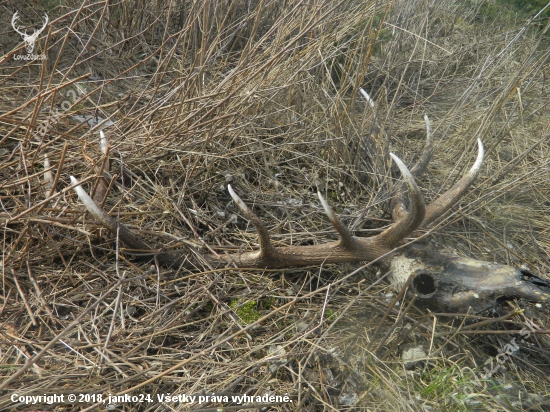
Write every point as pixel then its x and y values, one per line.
pixel 264 95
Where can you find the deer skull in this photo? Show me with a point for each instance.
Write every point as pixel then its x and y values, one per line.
pixel 448 282
pixel 29 40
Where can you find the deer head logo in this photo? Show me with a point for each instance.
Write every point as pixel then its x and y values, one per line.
pixel 28 39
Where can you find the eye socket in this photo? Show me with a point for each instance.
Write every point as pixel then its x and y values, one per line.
pixel 424 283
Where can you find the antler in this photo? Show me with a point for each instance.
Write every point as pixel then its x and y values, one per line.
pixel 36 32
pixel 347 249
pixel 43 27
pixel 441 205
pixel 28 39
pixel 13 21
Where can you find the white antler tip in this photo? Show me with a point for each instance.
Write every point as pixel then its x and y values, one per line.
pixel 366 97
pixel 326 206
pixel 427 121
pixel 88 201
pixel 403 169
pixel 237 199
pixel 480 145
pixel 232 192
pixel 480 155
pixel 80 191
pixel 323 202
pixel 103 142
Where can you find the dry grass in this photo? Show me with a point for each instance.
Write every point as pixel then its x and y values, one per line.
pixel 263 94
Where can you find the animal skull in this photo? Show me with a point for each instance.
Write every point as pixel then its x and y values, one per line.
pixel 452 283
pixel 29 40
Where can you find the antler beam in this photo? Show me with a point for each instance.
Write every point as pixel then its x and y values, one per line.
pixel 348 249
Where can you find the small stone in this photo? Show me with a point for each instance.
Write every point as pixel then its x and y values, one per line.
pixel 412 357
pixel 301 326
pixel 348 399
pixel 334 351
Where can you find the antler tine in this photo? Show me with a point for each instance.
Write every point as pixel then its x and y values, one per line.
pixel 346 239
pixel 107 221
pixel 101 189
pixel 172 258
pixel 263 234
pixel 397 203
pixel 103 144
pixel 45 23
pixel 420 167
pixel 406 222
pixel 48 176
pixel 442 204
pixel 13 21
